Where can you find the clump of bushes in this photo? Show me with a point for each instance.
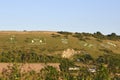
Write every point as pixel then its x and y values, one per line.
pixel 31 57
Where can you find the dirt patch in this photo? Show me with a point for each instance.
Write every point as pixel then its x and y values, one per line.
pixel 29 66
pixel 69 53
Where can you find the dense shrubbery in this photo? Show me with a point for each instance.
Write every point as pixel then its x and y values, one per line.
pixel 79 36
pixel 84 58
pixel 98 35
pixel 27 57
pixel 102 72
pixel 113 36
pixel 55 35
pixel 64 33
pixel 65 64
pixel 107 67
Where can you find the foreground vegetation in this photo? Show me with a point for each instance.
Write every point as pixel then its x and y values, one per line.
pixel 106 67
pixel 51 73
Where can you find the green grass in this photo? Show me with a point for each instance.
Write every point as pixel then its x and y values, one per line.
pixel 53 45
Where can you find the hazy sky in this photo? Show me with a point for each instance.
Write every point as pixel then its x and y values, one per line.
pixel 61 15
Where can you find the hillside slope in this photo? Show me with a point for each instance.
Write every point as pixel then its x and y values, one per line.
pixel 54 43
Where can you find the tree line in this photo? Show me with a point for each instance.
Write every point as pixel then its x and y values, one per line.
pixel 98 35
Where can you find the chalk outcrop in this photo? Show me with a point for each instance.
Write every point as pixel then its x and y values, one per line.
pixel 69 53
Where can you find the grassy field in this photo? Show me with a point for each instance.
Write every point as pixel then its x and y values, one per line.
pixel 44 42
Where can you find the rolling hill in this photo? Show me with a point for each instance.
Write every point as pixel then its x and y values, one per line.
pixel 54 43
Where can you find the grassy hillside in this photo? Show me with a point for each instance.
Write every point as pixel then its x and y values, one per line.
pixel 64 55
pixel 44 42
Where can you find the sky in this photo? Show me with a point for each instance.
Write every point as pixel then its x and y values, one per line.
pixel 61 15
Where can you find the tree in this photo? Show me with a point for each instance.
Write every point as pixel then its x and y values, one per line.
pixel 99 35
pixel 113 36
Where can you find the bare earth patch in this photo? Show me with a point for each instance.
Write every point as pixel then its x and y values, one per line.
pixel 29 66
